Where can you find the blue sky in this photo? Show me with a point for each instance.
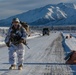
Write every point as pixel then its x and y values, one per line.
pixel 12 7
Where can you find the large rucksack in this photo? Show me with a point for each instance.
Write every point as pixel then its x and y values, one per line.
pixel 26 26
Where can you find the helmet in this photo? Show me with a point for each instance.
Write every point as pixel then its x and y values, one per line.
pixel 15 20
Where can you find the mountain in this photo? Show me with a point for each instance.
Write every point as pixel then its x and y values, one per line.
pixel 52 14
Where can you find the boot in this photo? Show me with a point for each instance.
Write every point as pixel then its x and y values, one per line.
pixel 12 67
pixel 20 67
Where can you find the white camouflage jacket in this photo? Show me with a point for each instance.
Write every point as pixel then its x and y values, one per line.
pixel 21 31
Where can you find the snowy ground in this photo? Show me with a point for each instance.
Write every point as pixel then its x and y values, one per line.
pixel 45 57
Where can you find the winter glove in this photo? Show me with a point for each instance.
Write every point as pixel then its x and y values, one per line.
pixel 23 41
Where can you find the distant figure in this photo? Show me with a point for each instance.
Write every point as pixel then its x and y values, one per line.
pixel 15 38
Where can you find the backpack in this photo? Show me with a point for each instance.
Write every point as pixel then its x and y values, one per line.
pixel 26 26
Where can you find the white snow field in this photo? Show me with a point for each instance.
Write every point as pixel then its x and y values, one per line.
pixel 45 57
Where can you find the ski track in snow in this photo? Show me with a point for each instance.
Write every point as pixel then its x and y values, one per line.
pixel 44 49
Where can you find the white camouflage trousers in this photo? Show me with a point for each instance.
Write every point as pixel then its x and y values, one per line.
pixel 16 51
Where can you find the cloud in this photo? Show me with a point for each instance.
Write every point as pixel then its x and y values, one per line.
pixel 13 7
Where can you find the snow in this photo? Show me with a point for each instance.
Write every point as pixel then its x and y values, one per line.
pixel 74 6
pixel 53 14
pixel 45 56
pixel 70 42
pixel 4 27
pixel 34 35
pixel 43 50
pixel 2 41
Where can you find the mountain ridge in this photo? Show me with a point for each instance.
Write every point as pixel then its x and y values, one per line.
pixel 51 14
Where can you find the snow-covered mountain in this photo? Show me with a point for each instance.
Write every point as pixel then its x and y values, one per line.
pixel 52 14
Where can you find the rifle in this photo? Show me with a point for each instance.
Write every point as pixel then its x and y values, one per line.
pixel 26 45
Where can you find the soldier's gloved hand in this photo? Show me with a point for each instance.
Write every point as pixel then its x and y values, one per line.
pixel 21 40
pixel 25 43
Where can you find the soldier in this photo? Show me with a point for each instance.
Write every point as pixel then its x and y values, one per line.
pixel 15 38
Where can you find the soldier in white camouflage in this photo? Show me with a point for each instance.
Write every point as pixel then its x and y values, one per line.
pixel 15 38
